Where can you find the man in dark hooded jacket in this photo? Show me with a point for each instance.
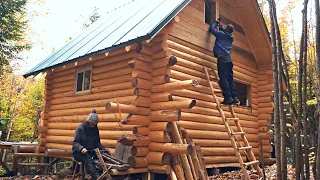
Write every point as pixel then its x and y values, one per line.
pixel 222 50
pixel 86 139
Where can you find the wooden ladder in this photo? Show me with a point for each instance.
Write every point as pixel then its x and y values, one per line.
pixel 233 135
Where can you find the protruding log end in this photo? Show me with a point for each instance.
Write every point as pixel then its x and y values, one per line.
pixel 179 114
pixel 108 107
pixel 189 149
pixel 132 161
pixel 169 126
pixel 195 83
pixel 126 120
pixel 166 78
pixel 131 64
pixel 139 48
pixel 166 159
pixel 170 97
pixel 136 91
pixel 134 82
pixel 172 61
pixel 192 104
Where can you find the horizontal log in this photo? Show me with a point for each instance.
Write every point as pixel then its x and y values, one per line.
pixel 112 134
pixel 140 65
pixel 82 118
pixel 118 86
pixel 143 57
pixel 219 143
pixel 160 126
pixel 216 135
pixel 141 101
pixel 110 67
pixel 159 158
pixel 102 126
pixel 143 49
pixel 174 86
pixel 165 169
pixel 62 89
pixel 141 74
pixel 161 54
pixel 60 95
pixel 58 146
pixel 96 96
pixel 173 105
pixel 159 136
pixel 169 61
pixel 114 73
pixel 171 148
pixel 165 115
pixel 161 97
pixel 193 95
pixel 114 59
pixel 108 143
pixel 112 107
pixel 224 151
pixel 129 171
pixel 222 159
pixel 113 80
pixel 141 83
pixel 64 72
pixel 144 131
pixel 77 111
pixel 183 76
pixel 94 103
pixel 142 92
pixel 160 46
pixel 160 71
pixel 67 77
pixel 136 120
pixel 62 84
pixel 58 153
pixel 162 79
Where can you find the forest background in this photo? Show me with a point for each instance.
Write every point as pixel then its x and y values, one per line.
pixel 22 46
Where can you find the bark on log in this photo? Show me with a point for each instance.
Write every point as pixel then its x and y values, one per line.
pixel 169 61
pixel 171 148
pixel 141 83
pixel 174 86
pixel 173 105
pixel 159 158
pixel 137 120
pixel 113 107
pixel 159 136
pixel 160 126
pixel 165 115
pixel 161 97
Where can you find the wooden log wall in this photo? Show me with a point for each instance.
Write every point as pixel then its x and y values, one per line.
pixel 192 44
pixel 265 107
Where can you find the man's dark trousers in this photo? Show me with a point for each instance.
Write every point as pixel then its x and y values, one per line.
pixel 88 162
pixel 225 73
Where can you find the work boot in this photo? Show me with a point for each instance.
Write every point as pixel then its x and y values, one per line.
pixel 236 101
pixel 227 101
pixel 93 171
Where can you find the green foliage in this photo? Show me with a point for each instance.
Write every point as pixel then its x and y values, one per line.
pixel 92 17
pixel 12 28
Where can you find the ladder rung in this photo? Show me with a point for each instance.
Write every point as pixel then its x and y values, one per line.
pixel 232 119
pixel 251 163
pixel 238 133
pixel 244 148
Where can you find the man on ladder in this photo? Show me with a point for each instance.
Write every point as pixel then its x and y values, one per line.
pixel 222 50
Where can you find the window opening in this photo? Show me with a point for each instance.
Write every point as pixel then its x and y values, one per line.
pixel 83 82
pixel 244 94
pixel 210 12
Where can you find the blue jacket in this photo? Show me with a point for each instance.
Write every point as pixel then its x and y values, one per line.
pixel 223 42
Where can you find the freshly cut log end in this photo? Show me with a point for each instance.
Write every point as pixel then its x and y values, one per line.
pixel 172 61
pixel 192 104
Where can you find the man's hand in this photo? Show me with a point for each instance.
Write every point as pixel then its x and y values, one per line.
pixel 84 150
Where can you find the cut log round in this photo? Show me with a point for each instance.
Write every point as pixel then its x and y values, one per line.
pixel 165 115
pixel 162 79
pixel 173 105
pixel 171 148
pixel 159 158
pixel 174 86
pixel 113 107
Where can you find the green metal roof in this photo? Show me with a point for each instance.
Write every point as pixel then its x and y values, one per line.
pixel 131 23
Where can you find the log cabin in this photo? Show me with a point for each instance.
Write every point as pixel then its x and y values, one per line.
pixel 141 67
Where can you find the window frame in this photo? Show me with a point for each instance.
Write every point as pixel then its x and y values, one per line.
pixel 83 70
pixel 249 92
pixel 212 9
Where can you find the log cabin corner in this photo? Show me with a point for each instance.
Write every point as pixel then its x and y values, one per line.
pixel 133 59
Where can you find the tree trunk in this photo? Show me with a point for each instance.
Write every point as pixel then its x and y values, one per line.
pixel 277 140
